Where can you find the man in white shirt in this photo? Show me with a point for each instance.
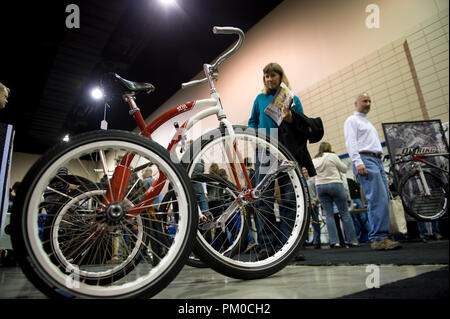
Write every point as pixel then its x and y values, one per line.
pixel 365 151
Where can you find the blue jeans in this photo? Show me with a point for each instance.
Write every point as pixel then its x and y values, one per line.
pixel 335 193
pixel 423 228
pixel 375 189
pixel 361 219
pixel 202 202
pixel 315 224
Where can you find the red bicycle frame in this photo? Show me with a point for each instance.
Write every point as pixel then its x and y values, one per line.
pixel 123 171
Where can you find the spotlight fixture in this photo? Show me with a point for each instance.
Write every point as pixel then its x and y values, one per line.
pixel 66 138
pixel 167 2
pixel 97 93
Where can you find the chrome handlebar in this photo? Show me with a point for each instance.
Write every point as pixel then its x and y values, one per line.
pixel 237 45
pixel 212 70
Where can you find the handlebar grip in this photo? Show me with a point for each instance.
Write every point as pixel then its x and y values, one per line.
pixel 226 30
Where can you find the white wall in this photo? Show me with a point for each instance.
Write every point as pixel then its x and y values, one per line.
pixel 20 164
pixel 311 40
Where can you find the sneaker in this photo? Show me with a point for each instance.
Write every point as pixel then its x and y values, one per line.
pixel 317 246
pixel 438 236
pixel 385 244
pixel 353 245
pixel 335 246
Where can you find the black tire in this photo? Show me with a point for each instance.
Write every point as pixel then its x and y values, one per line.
pixel 417 204
pixel 250 265
pixel 140 280
pixel 195 262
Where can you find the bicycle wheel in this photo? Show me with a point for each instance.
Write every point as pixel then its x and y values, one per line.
pixel 71 241
pixel 278 241
pixel 72 218
pixel 420 205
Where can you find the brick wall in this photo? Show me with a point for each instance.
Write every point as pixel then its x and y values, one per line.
pixel 406 79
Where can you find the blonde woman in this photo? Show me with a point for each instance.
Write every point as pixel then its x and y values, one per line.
pixel 267 226
pixel 330 190
pixel 273 76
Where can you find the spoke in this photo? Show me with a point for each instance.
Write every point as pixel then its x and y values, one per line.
pixel 105 172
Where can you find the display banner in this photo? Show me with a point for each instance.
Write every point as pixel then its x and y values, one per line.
pixel 6 142
pixel 416 137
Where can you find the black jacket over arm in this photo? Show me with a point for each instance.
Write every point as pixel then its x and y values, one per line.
pixel 295 136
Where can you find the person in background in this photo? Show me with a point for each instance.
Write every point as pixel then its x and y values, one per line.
pixel 331 190
pixel 314 201
pixel 423 231
pixel 360 219
pixel 215 193
pixel 13 194
pixel 148 180
pixel 365 151
pixel 4 94
pixel 273 76
pixel 252 239
pixel 201 191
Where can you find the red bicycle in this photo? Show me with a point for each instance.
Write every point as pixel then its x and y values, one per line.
pixel 87 227
pixel 424 189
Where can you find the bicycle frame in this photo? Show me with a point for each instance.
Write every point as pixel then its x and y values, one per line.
pixel 420 158
pixel 212 106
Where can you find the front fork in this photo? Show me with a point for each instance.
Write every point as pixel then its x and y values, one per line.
pixel 422 183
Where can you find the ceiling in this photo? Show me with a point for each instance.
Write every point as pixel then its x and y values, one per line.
pixel 51 69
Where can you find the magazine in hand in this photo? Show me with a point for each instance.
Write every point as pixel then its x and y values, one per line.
pixel 282 97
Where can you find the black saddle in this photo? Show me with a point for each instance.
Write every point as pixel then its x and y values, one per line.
pixel 130 86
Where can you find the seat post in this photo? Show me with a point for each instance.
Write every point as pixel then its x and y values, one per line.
pixel 134 110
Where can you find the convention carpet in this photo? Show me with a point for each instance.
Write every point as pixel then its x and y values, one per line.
pixel 431 285
pixel 411 253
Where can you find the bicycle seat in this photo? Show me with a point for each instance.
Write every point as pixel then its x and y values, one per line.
pixel 133 86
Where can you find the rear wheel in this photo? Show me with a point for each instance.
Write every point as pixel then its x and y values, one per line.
pixel 72 241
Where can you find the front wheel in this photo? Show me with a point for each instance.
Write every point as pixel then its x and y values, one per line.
pixel 74 241
pixel 275 236
pixel 419 204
